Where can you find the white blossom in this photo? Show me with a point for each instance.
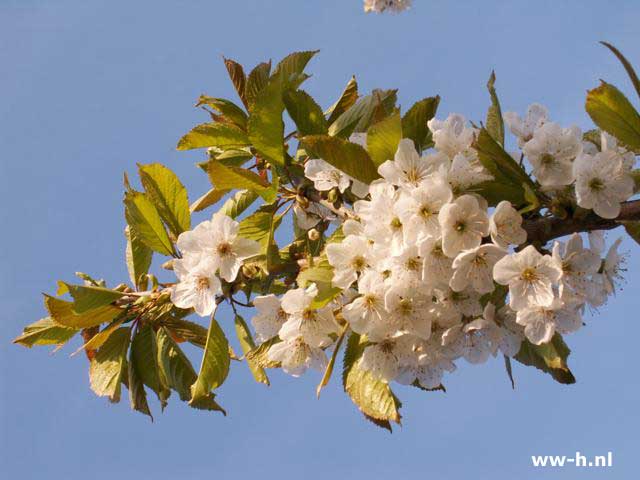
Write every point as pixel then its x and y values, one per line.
pixel 474 267
pixel 197 285
pixel 418 210
pixel 269 318
pixel 326 177
pixel 379 6
pixel 578 265
pixel 463 225
pixel 313 325
pixel 541 322
pixel 602 183
pixel 505 225
pixel 407 167
pixel 530 277
pixel 367 312
pixel 295 356
pixel 218 241
pixel 524 128
pixel 350 258
pixel 551 152
pixel 451 136
pixel 385 359
pixel 466 171
pixel 613 267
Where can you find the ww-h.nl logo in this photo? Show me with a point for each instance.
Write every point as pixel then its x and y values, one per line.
pixel 578 460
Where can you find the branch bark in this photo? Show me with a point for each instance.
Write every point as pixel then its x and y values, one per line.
pixel 543 230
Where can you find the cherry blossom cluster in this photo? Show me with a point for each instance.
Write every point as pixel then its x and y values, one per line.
pixel 379 6
pixel 601 177
pixel 211 251
pixel 430 274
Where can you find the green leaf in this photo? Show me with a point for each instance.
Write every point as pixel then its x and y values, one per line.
pixel 257 80
pixel 230 178
pixel 101 337
pixel 108 365
pixel 146 224
pixel 633 229
pixel 247 344
pixel 503 167
pixel 169 196
pixel 223 135
pixel 373 397
pixel 348 157
pixel 212 197
pixel 627 66
pixel 259 355
pixel 234 157
pixel 138 257
pixel 549 357
pixel 238 78
pixel 495 124
pixel 137 394
pixel 215 363
pixel 229 110
pixel 45 332
pixel 612 112
pixel 144 358
pixel 332 361
pixel 346 100
pixel 321 273
pixel 366 111
pixel 259 224
pixel 62 313
pixel 191 332
pixel 89 298
pixel 414 122
pixel 305 113
pixel 238 203
pixel 178 373
pixel 291 67
pixel 266 127
pixel 383 138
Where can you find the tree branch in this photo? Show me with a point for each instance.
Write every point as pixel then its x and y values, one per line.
pixel 542 230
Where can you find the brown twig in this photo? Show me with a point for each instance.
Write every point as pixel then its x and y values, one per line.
pixel 542 230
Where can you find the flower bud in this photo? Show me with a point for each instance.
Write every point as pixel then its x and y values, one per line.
pixel 334 195
pixel 313 234
pixel 302 201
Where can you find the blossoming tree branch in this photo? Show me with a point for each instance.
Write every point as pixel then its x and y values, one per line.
pixel 388 245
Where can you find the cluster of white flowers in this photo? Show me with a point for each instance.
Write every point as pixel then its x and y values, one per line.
pixel 423 259
pixel 559 157
pixel 212 250
pixel 379 6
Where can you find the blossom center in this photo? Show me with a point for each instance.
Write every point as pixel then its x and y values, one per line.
pixel 547 159
pixel 412 264
pixel 425 212
pixel 386 347
pixel 396 224
pixel 460 226
pixel 596 184
pixel 309 314
pixel 224 249
pixel 412 175
pixel 202 284
pixel 370 300
pixel 358 263
pixel 529 275
pixel 405 307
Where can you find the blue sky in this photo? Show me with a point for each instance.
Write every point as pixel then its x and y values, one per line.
pixel 90 88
